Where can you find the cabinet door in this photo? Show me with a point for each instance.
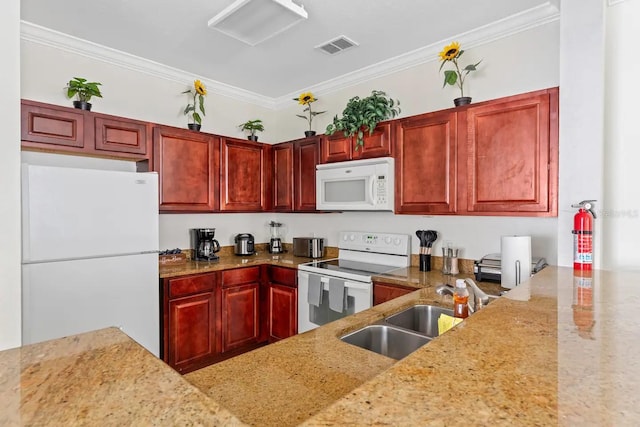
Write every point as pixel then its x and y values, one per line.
pixel 242 184
pixel 282 303
pixel 383 292
pixel 120 135
pixel 190 321
pixel 307 157
pixel 283 312
pixel 192 334
pixel 60 127
pixel 240 316
pixel 378 144
pixel 283 182
pixel 335 148
pixel 512 151
pixel 186 162
pixel 426 163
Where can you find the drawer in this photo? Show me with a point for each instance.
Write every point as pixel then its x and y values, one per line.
pixel 191 285
pixel 239 276
pixel 283 276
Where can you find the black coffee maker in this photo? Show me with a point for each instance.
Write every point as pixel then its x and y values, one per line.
pixel 203 244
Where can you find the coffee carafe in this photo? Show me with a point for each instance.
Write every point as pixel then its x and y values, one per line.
pixel 203 244
pixel 275 244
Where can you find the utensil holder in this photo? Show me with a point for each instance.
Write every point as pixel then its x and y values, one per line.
pixel 450 261
pixel 425 262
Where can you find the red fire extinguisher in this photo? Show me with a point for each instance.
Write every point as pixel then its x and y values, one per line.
pixel 583 235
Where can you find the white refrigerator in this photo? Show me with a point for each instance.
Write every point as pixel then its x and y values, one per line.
pixel 89 253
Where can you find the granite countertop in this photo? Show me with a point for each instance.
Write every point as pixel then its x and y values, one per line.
pixel 557 350
pixel 98 378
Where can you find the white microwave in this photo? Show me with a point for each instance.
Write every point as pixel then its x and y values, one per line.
pixel 358 185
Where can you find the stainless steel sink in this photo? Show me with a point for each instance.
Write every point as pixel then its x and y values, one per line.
pixel 420 318
pixel 387 340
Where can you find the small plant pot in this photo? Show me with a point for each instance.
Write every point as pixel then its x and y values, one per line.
pixel 465 100
pixel 309 133
pixel 252 137
pixel 82 105
pixel 194 126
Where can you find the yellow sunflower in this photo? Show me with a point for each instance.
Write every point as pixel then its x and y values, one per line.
pixel 200 87
pixel 306 98
pixel 450 52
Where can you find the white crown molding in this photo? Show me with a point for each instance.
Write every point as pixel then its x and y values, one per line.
pixel 506 27
pixel 47 37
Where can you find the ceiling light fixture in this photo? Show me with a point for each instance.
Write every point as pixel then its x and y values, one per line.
pixel 254 21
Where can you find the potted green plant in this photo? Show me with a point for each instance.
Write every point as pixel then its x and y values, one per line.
pixel 364 114
pixel 307 98
pixel 198 92
pixel 252 126
pixel 83 90
pixel 451 53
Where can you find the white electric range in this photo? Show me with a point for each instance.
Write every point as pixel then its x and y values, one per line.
pixel 332 289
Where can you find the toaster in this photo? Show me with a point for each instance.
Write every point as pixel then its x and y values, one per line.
pixel 309 247
pixel 489 267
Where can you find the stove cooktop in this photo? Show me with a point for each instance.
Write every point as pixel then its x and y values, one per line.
pixel 341 267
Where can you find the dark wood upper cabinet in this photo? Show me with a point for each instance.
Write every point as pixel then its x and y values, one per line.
pixel 244 173
pixel 68 130
pixel 60 127
pixel 187 165
pixel 511 152
pixel 121 135
pixel 338 148
pixel 426 155
pixel 283 174
pixel 294 175
pixel 306 158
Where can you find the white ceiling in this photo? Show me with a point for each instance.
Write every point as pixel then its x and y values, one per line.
pixel 389 33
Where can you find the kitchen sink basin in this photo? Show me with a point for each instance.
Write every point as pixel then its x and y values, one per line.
pixel 420 318
pixel 386 340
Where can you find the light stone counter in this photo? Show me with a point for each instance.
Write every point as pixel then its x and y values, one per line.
pixel 98 378
pixel 557 350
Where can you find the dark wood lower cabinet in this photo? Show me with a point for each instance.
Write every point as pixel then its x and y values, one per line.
pixel 190 321
pixel 240 316
pixel 210 317
pixel 282 303
pixel 383 292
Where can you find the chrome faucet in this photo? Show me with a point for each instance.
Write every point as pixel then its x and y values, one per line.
pixel 476 295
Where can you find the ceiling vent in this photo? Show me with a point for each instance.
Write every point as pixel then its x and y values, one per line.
pixel 254 21
pixel 337 45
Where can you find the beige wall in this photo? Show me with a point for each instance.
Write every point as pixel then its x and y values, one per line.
pixel 10 290
pixel 523 62
pixel 520 63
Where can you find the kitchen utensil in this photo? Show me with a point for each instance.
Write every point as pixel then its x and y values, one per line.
pixel 244 244
pixel 450 260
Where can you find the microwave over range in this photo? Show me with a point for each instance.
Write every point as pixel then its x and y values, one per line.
pixel 357 185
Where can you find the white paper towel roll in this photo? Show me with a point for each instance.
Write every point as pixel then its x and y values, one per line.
pixel 515 254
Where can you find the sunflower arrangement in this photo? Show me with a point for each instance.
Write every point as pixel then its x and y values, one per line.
pixel 452 53
pixel 198 91
pixel 307 98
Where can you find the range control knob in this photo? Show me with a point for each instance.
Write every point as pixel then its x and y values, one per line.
pixel 396 241
pixel 352 237
pixel 387 240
